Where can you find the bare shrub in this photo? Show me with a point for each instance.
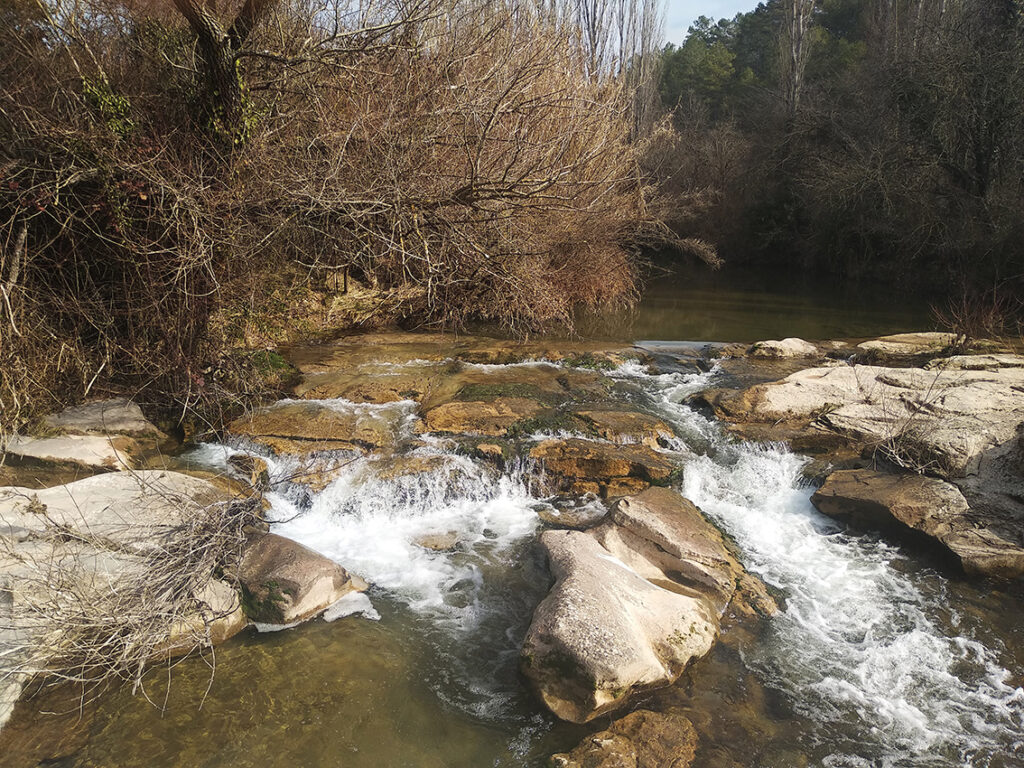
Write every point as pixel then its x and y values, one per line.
pixel 974 315
pixel 93 609
pixel 458 158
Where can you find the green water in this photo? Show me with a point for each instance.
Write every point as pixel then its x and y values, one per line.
pixel 699 304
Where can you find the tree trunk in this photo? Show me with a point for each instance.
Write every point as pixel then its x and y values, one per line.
pixel 217 48
pixel 795 45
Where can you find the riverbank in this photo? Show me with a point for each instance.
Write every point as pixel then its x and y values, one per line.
pixel 429 466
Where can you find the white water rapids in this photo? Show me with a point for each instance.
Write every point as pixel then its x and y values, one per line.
pixel 859 650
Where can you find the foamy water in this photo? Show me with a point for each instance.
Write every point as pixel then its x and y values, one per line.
pixel 860 650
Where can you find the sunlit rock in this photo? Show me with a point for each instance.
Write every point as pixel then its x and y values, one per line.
pixel 634 601
pixel 284 582
pixel 115 452
pixel 110 417
pixel 492 418
pixel 301 427
pixel 933 507
pixel 791 347
pixel 626 427
pixel 575 464
pixel 604 632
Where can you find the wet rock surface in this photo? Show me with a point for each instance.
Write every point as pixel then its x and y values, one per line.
pixel 492 418
pixel 299 427
pixel 587 465
pixel 934 507
pixel 641 739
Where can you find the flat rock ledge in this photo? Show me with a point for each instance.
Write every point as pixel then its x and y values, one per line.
pixel 104 435
pixel 635 600
pixel 929 505
pixel 943 420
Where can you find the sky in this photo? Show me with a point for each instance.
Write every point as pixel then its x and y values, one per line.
pixel 680 14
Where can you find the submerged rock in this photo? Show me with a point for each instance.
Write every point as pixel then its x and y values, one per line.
pixel 641 739
pixel 933 507
pixel 371 385
pixel 438 542
pixel 284 582
pixel 634 601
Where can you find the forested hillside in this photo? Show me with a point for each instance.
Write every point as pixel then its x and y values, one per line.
pixel 857 137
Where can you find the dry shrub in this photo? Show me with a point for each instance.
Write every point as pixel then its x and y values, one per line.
pixel 90 610
pixel 458 156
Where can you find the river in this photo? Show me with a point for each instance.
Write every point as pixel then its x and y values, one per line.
pixel 881 656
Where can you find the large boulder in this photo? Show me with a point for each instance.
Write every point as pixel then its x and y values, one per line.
pixel 302 427
pixel 284 582
pixel 88 546
pixel 641 739
pixel 933 507
pixel 604 632
pixel 665 538
pixel 635 599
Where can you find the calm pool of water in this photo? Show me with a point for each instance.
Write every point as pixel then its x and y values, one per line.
pixel 698 304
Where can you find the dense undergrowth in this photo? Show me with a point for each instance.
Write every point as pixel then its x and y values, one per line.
pixel 442 161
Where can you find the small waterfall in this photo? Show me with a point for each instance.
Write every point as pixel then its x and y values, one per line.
pixel 863 651
pixel 859 650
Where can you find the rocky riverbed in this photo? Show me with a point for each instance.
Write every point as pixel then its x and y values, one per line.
pixel 411 466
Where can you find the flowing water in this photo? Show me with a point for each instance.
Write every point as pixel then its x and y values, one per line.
pixel 879 658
